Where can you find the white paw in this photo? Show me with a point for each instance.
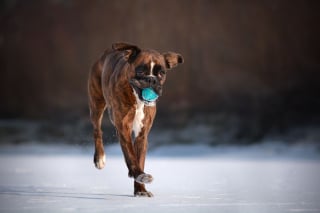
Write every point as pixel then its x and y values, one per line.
pixel 144 178
pixel 143 194
pixel 100 162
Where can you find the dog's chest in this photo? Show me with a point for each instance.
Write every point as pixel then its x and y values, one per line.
pixel 139 116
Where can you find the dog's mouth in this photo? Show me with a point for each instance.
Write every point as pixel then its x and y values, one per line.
pixel 140 85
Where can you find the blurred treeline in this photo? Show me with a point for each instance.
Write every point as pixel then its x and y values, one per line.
pixel 253 66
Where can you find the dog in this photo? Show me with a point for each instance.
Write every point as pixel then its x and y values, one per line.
pixel 116 82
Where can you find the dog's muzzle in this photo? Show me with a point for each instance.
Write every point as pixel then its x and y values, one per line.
pixel 139 84
pixel 152 81
pixel 147 82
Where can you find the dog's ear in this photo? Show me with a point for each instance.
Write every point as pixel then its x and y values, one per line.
pixel 131 51
pixel 172 59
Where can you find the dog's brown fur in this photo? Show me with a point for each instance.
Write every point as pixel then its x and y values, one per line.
pixel 110 87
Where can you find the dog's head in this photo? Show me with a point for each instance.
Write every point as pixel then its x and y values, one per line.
pixel 149 67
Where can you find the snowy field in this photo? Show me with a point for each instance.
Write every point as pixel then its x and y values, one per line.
pixel 265 178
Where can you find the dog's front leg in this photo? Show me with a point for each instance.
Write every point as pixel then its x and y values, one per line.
pixel 124 129
pixel 141 147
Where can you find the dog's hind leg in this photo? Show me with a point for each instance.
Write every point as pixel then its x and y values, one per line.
pixel 97 107
pixel 96 115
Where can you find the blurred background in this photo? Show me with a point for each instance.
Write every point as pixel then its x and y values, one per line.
pixel 251 71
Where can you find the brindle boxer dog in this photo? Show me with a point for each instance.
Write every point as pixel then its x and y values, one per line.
pixel 115 83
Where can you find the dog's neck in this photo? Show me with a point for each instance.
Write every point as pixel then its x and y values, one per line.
pixel 139 115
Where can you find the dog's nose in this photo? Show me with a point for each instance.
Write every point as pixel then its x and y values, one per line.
pixel 152 81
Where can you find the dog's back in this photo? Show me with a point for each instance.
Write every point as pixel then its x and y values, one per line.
pixel 110 72
pixel 94 80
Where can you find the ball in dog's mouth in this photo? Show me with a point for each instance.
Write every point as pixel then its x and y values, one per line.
pixel 148 94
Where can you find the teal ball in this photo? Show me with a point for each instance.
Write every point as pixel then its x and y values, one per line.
pixel 148 94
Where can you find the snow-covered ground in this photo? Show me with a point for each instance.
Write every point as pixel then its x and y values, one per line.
pixel 262 178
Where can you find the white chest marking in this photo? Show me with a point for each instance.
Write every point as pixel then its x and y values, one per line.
pixel 151 68
pixel 137 121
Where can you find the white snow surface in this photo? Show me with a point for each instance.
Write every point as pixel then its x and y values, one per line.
pixel 263 178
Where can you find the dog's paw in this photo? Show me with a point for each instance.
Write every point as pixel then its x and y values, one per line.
pixel 99 161
pixel 144 178
pixel 143 194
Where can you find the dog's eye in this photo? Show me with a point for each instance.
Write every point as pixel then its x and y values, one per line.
pixel 157 70
pixel 140 70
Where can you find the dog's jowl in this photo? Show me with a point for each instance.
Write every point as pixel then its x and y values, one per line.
pixel 127 81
